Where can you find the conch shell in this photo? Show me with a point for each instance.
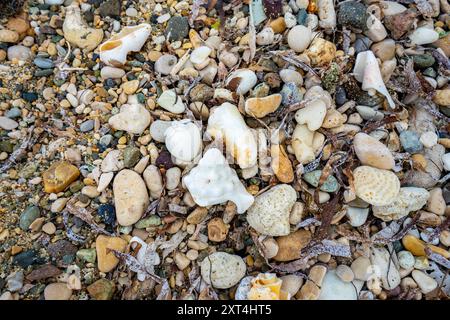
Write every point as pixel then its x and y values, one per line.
pixel 114 51
pixel 183 140
pixel 77 32
pixel 226 123
pixel 214 182
pixel 368 72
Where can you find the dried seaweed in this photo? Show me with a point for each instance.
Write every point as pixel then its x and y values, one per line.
pixel 165 292
pixel 424 7
pixel 252 33
pixel 134 265
pixel 438 230
pixel 372 126
pixel 439 259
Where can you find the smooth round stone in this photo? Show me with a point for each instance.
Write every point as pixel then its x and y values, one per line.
pixel 428 139
pixel 333 288
pixel 19 52
pixel 410 141
pixel 130 197
pixel 299 38
pixel 173 176
pixel 87 126
pixel 13 113
pixel 423 35
pixel 108 72
pixel 131 12
pixel 288 75
pixel 423 60
pixel 106 259
pixel 158 129
pixel 357 216
pixel 291 283
pixel 368 113
pixel 28 216
pixel 43 63
pixel 302 15
pixel 151 221
pixel 330 185
pixel 290 94
pixel 385 50
pixel 57 291
pixel 345 273
pixel 7 123
pixel 424 281
pixel 131 156
pixel 106 140
pixel 362 44
pixel 405 259
pixel 372 152
pixel 222 270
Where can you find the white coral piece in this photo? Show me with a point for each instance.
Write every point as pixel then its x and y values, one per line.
pixel 183 140
pixel 114 51
pixel 226 123
pixel 214 182
pixel 368 72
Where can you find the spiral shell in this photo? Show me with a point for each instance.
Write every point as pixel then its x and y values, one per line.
pixel 376 186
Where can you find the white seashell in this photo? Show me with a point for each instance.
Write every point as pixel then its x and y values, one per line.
pixel 408 199
pixel 327 14
pixel 165 64
pixel 368 72
pixel 212 182
pixel 247 80
pixel 200 55
pixel 423 35
pixel 376 186
pixel 144 256
pixel 222 270
pixel 77 31
pixel 265 37
pixel 312 114
pixel 131 39
pixel 226 124
pixel 183 140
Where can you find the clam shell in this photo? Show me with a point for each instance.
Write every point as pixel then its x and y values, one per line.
pixel 376 186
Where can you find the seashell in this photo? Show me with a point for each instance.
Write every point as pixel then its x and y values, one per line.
pixel 312 114
pixel 131 39
pixel 423 35
pixel 212 181
pixel 144 256
pixel 222 270
pixel 267 286
pixel 372 152
pixel 408 199
pixel 226 124
pixel 260 107
pixel 269 214
pixel 165 64
pixel 200 55
pixel 376 186
pixel 368 72
pixel 77 32
pixel 241 80
pixel 183 140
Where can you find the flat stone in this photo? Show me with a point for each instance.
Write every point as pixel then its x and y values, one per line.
pixel 290 245
pixel 57 291
pixel 28 216
pixel 107 261
pixel 59 176
pixel 7 123
pixel 177 28
pixel 44 272
pixel 101 289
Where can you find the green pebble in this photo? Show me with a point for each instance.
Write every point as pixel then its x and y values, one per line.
pixel 76 186
pixel 131 156
pixel 28 216
pixel 151 221
pixel 330 185
pixel 6 146
pixel 87 255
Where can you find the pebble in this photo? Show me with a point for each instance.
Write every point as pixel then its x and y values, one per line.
pixel 428 139
pixel 58 205
pixel 87 126
pixel 436 203
pixel 270 212
pixel 312 114
pixel 108 72
pixel 222 270
pixel 9 36
pixel 289 246
pixel 333 288
pixel 330 184
pixel 131 156
pixel 28 216
pixel 107 213
pixel 423 35
pixel 299 38
pixel 424 281
pixel 405 259
pixel 130 197
pixel 133 118
pixel 57 291
pixel 353 14
pixel 58 177
pixel 171 102
pixel 108 261
pixel 388 273
pixel 165 64
pixel 101 289
pixel 291 284
pixel 87 255
pixel 173 176
pixel 130 87
pixel 361 268
pixel 260 107
pixel 153 180
pixel 177 28
pixel 372 152
pixel 345 273
pixel 357 216
pixel 247 80
pixel 49 228
pixel 446 161
pixel 14 281
pixel 131 12
pixel 410 141
pixel 7 123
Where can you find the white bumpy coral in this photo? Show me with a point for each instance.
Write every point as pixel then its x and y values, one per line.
pixel 214 182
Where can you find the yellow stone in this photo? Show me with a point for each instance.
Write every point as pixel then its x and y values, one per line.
pixel 260 107
pixel 278 25
pixel 130 87
pixel 290 245
pixel 445 142
pixel 321 52
pixel 154 55
pixel 195 38
pixel 442 97
pixel 59 176
pixel 107 261
pixel 281 165
pixel 417 247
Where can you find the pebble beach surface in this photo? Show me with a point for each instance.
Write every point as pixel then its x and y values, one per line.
pixel 232 150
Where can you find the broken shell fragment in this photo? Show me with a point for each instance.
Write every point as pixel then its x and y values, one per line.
pixel 312 114
pixel 267 286
pixel 368 73
pixel 376 186
pixel 212 181
pixel 77 32
pixel 131 39
pixel 183 140
pixel 226 124
pixel 260 107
